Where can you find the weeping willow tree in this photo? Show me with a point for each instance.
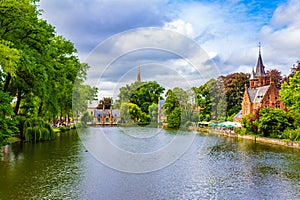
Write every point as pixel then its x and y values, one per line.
pixel 35 129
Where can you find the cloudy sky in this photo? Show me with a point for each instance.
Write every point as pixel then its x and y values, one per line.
pixel 177 43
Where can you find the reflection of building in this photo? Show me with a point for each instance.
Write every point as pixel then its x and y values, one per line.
pixel 262 92
pixel 104 114
pixel 161 117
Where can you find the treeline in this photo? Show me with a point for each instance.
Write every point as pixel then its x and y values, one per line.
pixel 38 70
pixel 216 100
pixel 138 103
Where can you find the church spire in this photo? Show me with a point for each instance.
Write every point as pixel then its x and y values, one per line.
pixel 260 68
pixel 139 75
pixel 252 76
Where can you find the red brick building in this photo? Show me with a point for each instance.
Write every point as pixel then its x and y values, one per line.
pixel 262 92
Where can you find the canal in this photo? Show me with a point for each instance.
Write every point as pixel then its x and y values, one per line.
pixel 71 167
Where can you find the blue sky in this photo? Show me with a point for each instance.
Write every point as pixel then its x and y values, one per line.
pixel 227 30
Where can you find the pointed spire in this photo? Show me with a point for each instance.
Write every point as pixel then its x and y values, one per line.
pixel 260 68
pixel 252 76
pixel 139 75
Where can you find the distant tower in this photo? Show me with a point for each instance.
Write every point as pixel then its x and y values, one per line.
pixel 139 75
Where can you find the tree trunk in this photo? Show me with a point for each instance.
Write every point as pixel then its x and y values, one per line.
pixel 61 115
pixel 16 110
pixel 40 108
pixel 7 81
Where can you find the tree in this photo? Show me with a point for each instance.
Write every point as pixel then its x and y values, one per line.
pixel 234 85
pixel 130 112
pixel 272 122
pixel 38 67
pixel 211 100
pixel 173 109
pixel 276 76
pixel 86 118
pixel 290 93
pixel 7 122
pixel 174 118
pixel 153 112
pixel 143 94
pixel 294 69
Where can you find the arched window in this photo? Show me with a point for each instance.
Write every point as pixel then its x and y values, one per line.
pixel 277 104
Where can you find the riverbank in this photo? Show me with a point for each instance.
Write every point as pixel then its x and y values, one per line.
pixel 255 138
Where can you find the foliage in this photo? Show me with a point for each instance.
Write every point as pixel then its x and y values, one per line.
pixel 248 123
pixel 153 112
pixel 7 122
pixel 86 118
pixel 290 93
pixel 211 101
pixel 130 112
pixel 143 94
pixel 63 128
pixel 36 129
pixel 294 69
pixel 174 118
pixel 276 76
pixel 272 122
pixel 234 85
pixel 293 135
pixel 37 67
pixel 180 107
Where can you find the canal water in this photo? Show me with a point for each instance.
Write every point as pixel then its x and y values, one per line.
pixel 211 168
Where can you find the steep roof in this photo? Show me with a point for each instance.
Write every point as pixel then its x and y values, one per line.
pixel 252 76
pixel 239 115
pixel 257 94
pixel 260 68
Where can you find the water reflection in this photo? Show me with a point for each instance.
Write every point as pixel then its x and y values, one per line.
pixel 212 168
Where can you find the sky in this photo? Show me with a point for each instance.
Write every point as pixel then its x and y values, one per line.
pixel 176 43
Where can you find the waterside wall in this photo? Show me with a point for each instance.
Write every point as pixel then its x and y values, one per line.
pixel 257 138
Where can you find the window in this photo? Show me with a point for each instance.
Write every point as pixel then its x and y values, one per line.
pixel 277 104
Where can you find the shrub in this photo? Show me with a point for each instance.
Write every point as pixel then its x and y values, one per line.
pixel 293 135
pixel 35 129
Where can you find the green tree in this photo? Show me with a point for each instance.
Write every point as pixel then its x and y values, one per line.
pixel 86 118
pixel 211 100
pixel 130 112
pixel 234 85
pixel 290 93
pixel 173 110
pixel 153 112
pixel 143 94
pixel 272 122
pixel 174 118
pixel 37 66
pixel 7 122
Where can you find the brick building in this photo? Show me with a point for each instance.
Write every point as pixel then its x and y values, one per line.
pixel 261 93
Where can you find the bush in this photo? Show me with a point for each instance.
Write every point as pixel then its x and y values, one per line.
pixel 35 129
pixel 64 128
pixel 187 124
pixel 293 135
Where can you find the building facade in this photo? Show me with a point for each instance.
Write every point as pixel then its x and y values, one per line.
pixel 262 92
pixel 104 114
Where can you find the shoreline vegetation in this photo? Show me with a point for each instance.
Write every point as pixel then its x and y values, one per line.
pixel 256 138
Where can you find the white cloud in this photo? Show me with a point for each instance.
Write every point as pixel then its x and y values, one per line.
pixel 282 36
pixel 181 27
pixel 229 32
